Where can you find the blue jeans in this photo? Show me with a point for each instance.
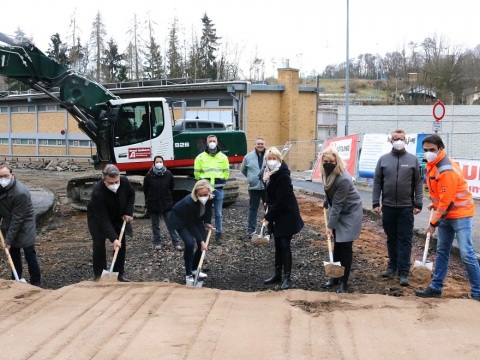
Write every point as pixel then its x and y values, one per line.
pixel 255 197
pixel 398 226
pixel 32 263
pixel 446 233
pixel 218 204
pixel 190 236
pixel 155 218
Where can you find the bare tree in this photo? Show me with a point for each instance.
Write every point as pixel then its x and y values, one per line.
pixel 96 37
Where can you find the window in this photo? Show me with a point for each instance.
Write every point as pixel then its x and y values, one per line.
pixel 3 109
pixel 226 102
pixel 213 103
pixel 194 103
pixel 48 108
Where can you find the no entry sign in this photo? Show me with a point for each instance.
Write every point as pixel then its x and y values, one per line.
pixel 438 111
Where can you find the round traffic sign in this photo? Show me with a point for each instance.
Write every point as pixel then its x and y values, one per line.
pixel 438 111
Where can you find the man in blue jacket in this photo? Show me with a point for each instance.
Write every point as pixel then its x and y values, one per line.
pixel 251 166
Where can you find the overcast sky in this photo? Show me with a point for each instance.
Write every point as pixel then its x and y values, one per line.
pixel 310 33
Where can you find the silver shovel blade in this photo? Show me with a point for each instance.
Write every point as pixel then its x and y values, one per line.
pixel 418 263
pixel 325 263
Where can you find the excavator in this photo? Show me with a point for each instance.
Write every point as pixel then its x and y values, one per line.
pixel 126 132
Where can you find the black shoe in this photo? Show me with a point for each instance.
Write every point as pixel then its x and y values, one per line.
pixel 218 238
pixel 475 297
pixel 276 278
pixel 389 273
pixel 287 283
pixel 429 293
pixel 97 278
pixel 342 288
pixel 404 280
pixel 122 278
pixel 330 282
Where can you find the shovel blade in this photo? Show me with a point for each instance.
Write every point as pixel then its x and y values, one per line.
pixel 108 277
pixel 199 283
pixel 337 263
pixel 428 265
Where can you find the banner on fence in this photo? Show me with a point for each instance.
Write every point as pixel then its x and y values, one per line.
pixel 347 149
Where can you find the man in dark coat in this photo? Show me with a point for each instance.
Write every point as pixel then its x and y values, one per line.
pixel 112 202
pixel 18 223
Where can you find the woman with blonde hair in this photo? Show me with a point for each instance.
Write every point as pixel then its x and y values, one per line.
pixel 190 217
pixel 345 213
pixel 283 215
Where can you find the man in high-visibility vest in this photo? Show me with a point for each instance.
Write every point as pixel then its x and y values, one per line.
pixel 213 166
pixel 454 210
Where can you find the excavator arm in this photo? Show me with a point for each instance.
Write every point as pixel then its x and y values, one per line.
pixel 84 99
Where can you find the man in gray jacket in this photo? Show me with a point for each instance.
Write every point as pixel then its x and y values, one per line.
pixel 18 223
pixel 398 180
pixel 251 166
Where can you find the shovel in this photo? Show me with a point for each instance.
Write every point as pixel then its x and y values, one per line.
pixel 332 269
pixel 115 254
pixel 200 263
pixel 424 263
pixel 261 239
pixel 10 261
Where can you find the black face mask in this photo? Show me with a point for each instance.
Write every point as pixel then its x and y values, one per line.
pixel 329 167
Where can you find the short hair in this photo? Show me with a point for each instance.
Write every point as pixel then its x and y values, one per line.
pixel 332 151
pixel 398 131
pixel 199 185
pixel 434 139
pixel 158 157
pixel 259 138
pixel 111 171
pixel 274 151
pixel 211 136
pixel 6 165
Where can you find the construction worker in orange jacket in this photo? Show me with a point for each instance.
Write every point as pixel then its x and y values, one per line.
pixel 453 212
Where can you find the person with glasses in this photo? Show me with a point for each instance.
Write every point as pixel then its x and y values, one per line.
pixel 398 196
pixel 454 211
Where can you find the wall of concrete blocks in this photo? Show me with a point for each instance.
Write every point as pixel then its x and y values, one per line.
pixel 460 125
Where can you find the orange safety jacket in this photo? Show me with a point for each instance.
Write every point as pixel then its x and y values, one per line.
pixel 448 189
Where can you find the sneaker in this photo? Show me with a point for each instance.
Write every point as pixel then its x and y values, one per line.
pixel 218 238
pixel 158 246
pixel 189 280
pixel 389 273
pixel 404 280
pixel 429 293
pixel 201 275
pixel 178 247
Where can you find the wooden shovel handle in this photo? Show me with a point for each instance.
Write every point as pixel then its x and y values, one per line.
pixel 9 258
pixel 202 258
pixel 115 254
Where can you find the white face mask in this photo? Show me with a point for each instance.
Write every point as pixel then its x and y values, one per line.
pixel 203 199
pixel 399 145
pixel 113 187
pixel 212 145
pixel 430 156
pixel 158 165
pixel 272 164
pixel 5 182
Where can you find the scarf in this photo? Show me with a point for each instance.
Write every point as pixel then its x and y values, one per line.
pixel 159 172
pixel 267 173
pixel 329 181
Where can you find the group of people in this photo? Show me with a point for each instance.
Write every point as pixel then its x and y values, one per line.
pixel 397 195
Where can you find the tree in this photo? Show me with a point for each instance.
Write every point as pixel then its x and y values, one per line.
pixel 96 37
pixel 173 53
pixel 58 50
pixel 153 65
pixel 136 48
pixel 111 62
pixel 208 46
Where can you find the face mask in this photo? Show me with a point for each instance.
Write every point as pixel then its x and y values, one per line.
pixel 329 167
pixel 203 199
pixel 212 145
pixel 158 166
pixel 399 145
pixel 272 164
pixel 430 156
pixel 5 182
pixel 113 187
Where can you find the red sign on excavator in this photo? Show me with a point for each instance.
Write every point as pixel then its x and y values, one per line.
pixel 438 110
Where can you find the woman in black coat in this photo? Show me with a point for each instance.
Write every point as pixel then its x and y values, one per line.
pixel 158 189
pixel 283 215
pixel 190 217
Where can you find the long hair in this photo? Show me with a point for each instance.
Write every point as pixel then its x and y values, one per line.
pixel 332 152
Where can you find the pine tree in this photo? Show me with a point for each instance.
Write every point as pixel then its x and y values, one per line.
pixel 111 62
pixel 153 65
pixel 208 46
pixel 96 37
pixel 173 52
pixel 58 50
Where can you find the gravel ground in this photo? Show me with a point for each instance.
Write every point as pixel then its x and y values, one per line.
pixel 64 250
